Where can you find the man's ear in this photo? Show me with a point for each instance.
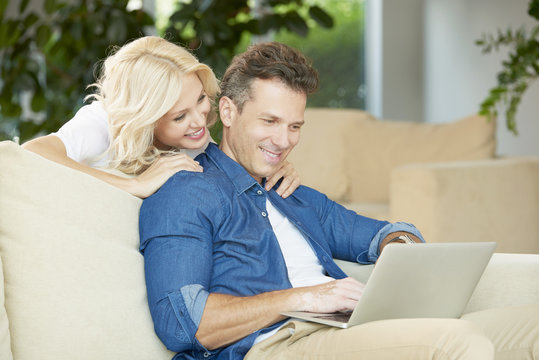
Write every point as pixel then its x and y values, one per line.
pixel 227 111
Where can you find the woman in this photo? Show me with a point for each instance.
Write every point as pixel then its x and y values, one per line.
pixel 153 99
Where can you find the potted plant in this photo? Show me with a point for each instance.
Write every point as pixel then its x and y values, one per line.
pixel 518 71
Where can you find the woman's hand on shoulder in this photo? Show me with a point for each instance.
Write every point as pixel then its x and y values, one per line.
pixel 290 181
pixel 160 171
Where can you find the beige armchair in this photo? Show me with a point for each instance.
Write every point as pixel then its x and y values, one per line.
pixel 443 178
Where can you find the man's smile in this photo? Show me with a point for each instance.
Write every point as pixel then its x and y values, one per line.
pixel 271 156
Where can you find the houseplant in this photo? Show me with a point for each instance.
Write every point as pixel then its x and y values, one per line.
pixel 47 58
pixel 518 71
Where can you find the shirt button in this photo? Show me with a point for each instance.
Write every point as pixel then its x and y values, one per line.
pixel 207 354
pixel 259 192
pixel 264 214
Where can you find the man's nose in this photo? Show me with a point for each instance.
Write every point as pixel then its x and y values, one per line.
pixel 280 138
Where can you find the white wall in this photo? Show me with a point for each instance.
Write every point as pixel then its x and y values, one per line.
pixel 403 66
pixel 432 71
pixel 458 76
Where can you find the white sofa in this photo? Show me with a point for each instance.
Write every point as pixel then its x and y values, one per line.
pixel 73 279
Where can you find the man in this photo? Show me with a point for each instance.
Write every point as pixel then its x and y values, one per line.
pixel 223 257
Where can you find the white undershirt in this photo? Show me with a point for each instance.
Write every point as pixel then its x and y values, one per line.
pixel 86 136
pixel 302 265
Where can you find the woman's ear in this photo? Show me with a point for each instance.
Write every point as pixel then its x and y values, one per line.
pixel 227 110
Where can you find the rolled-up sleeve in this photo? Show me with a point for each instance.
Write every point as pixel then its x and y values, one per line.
pixel 371 255
pixel 176 241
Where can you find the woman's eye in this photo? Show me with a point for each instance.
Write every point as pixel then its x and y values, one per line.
pixel 180 118
pixel 201 98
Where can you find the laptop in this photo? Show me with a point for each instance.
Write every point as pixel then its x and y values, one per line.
pixel 424 280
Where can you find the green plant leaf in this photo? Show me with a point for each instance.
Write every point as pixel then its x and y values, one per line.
pixel 39 102
pixel 533 9
pixel 295 23
pixel 30 20
pixel 3 6
pixel 43 33
pixel 204 5
pixel 50 6
pixel 321 17
pixel 23 5
pixel 27 129
pixel 4 28
pixel 11 110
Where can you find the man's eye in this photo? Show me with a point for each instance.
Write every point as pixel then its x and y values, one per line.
pixel 268 121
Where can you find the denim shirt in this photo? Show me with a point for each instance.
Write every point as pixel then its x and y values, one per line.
pixel 209 232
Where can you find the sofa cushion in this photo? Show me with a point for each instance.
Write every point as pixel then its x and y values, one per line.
pixel 5 342
pixel 321 157
pixel 74 279
pixel 382 145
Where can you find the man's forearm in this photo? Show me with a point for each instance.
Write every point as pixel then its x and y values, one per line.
pixel 227 318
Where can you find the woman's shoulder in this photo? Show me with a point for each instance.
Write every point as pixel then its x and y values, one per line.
pixel 94 112
pixel 86 135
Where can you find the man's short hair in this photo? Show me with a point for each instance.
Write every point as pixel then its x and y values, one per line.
pixel 269 60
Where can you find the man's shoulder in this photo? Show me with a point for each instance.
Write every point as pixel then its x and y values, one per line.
pixel 191 187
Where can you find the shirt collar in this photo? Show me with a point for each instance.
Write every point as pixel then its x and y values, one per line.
pixel 239 177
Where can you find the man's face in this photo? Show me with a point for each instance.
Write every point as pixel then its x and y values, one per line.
pixel 267 129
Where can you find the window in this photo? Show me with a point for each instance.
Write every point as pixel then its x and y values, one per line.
pixel 337 53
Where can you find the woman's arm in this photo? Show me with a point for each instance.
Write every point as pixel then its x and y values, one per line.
pixel 143 185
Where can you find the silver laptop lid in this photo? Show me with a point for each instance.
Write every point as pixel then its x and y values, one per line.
pixel 422 280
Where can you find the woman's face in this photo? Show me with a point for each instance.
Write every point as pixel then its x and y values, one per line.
pixel 184 125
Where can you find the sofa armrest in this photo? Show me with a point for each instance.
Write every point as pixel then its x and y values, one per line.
pixel 509 279
pixel 486 200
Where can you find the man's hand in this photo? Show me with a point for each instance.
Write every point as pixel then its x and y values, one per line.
pixel 337 295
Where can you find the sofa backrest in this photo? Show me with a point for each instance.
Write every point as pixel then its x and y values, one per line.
pixel 349 155
pixel 74 279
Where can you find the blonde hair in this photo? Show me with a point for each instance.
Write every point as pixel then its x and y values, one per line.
pixel 139 84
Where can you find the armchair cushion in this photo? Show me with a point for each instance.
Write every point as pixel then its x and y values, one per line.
pixel 379 146
pixel 484 200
